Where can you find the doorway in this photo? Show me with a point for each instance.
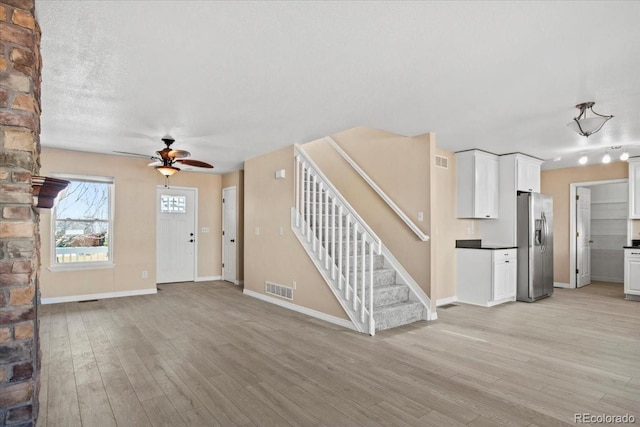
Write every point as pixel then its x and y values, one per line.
pixel 229 234
pixel 176 246
pixel 600 229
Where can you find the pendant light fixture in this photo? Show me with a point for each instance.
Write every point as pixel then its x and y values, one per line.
pixel 584 125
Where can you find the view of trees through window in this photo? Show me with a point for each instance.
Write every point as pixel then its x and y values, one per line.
pixel 82 226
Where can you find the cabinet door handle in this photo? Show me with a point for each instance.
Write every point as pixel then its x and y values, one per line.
pixel 635 253
pixel 507 261
pixel 487 216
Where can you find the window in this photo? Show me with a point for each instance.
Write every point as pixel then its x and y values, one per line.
pixel 83 223
pixel 173 204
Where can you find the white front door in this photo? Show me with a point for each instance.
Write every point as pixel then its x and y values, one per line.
pixel 229 234
pixel 583 236
pixel 175 235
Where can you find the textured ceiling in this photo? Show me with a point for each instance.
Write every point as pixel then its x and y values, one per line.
pixel 233 80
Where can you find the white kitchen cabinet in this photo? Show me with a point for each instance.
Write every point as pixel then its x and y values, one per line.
pixel 486 277
pixel 527 173
pixel 518 172
pixel 632 272
pixel 477 184
pixel 634 188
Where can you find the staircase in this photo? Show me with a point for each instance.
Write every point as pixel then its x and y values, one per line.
pixel 372 287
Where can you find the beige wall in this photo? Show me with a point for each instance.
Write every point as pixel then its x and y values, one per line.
pixel 400 166
pixel 447 228
pixel 236 179
pixel 269 256
pixel 134 244
pixel 556 183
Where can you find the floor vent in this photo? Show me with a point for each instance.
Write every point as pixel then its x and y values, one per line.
pixel 278 290
pixel 442 162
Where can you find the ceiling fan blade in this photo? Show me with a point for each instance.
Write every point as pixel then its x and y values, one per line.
pixel 155 163
pixel 196 163
pixel 146 156
pixel 178 154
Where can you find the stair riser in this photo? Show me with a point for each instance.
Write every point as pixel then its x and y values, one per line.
pixel 398 316
pixel 380 278
pixel 389 295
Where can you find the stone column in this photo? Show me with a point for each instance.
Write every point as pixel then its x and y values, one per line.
pixel 19 231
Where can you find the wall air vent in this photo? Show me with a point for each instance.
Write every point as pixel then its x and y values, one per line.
pixel 442 162
pixel 278 290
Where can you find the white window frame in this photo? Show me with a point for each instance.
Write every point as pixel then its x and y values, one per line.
pixel 90 265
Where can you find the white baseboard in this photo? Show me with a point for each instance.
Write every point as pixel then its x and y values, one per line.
pixel 607 279
pixel 445 301
pixel 561 285
pixel 104 295
pixel 207 278
pixel 304 310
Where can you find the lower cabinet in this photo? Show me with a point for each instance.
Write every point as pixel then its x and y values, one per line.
pixel 486 276
pixel 632 271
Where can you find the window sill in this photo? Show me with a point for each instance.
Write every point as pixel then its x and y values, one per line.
pixel 81 266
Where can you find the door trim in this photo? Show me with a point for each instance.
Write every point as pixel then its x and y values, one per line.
pixel 235 274
pixel 572 222
pixel 195 219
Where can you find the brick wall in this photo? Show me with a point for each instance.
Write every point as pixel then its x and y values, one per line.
pixel 19 231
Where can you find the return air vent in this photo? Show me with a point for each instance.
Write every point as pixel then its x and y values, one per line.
pixel 442 162
pixel 278 290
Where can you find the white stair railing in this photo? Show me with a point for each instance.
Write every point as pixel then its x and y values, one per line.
pixel 337 239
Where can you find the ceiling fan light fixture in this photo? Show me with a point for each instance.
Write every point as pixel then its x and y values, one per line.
pixel 167 170
pixel 584 125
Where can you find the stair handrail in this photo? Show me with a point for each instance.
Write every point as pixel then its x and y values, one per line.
pixel 299 151
pixel 403 216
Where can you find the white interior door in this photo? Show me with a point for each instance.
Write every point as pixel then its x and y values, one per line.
pixel 175 235
pixel 583 236
pixel 229 234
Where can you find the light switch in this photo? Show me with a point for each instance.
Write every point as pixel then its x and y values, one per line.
pixel 257 231
pixel 280 174
pixel 205 229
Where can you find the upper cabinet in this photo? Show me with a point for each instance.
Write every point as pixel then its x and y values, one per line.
pixel 527 173
pixel 634 188
pixel 477 183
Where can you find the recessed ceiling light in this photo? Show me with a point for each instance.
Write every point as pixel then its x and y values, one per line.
pixel 557 159
pixel 583 159
pixel 624 156
pixel 606 158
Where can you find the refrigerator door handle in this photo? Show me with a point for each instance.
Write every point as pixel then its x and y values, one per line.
pixel 544 233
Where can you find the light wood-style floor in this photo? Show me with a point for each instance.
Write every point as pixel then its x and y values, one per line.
pixel 201 354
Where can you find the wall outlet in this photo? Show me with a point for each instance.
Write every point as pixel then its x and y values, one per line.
pixel 281 231
pixel 294 286
pixel 420 216
pixel 257 231
pixel 145 274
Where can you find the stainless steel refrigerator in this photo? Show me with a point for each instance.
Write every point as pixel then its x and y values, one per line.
pixel 535 246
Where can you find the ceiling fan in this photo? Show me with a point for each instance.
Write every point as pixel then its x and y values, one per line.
pixel 166 158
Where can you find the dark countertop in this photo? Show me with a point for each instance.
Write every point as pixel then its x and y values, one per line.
pixel 631 247
pixel 477 244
